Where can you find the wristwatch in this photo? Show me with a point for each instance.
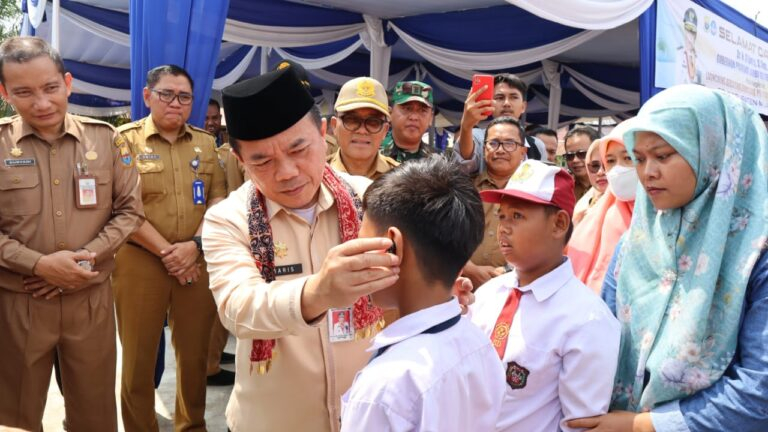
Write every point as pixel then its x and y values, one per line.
pixel 199 242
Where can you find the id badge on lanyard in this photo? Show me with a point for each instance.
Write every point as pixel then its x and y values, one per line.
pixel 85 187
pixel 198 186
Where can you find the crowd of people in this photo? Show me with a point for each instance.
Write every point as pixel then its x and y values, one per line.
pixel 371 282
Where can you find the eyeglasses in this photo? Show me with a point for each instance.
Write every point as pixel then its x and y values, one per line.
pixel 507 145
pixel 168 96
pixel 594 166
pixel 372 124
pixel 581 154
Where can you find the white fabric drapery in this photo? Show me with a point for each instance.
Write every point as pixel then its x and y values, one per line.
pixel 551 74
pixel 339 79
pixel 586 14
pixel 286 37
pixel 236 72
pixel 381 54
pixel 321 62
pixel 625 96
pixel 36 12
pixel 106 92
pixel 444 57
pixel 98 111
pixel 105 32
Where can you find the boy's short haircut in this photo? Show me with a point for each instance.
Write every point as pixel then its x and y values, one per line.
pixel 438 210
pixel 590 132
pixel 513 81
pixel 21 49
pixel 506 120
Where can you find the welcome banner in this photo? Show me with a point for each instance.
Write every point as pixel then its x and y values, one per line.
pixel 695 45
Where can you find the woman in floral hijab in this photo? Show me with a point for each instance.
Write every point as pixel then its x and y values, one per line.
pixel 692 291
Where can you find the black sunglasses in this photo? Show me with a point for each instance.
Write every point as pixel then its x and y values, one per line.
pixel 581 154
pixel 594 166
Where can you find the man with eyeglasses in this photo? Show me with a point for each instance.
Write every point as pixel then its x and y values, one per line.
pixel 509 93
pixel 159 271
pixel 361 122
pixel 411 116
pixel 504 151
pixel 576 143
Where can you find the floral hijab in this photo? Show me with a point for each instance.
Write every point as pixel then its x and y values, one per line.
pixel 684 272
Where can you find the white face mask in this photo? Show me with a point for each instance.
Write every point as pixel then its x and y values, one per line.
pixel 623 182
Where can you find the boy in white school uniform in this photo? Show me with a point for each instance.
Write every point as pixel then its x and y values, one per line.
pixel 432 369
pixel 557 340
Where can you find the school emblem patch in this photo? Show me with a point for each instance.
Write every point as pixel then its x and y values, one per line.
pixel 517 376
pixel 524 173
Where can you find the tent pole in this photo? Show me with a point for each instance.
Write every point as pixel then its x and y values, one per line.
pixel 55 23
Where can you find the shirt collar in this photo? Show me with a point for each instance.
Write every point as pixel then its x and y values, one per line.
pixel 484 179
pixel 416 323
pixel 546 286
pixel 379 165
pixel 69 128
pixel 151 129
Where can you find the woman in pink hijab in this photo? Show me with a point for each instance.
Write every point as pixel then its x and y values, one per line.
pixel 595 237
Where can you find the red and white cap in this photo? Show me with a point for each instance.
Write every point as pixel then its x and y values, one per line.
pixel 537 182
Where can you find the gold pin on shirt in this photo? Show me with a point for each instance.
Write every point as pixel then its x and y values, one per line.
pixel 148 149
pixel 198 150
pixel 281 250
pixel 91 155
pixel 16 152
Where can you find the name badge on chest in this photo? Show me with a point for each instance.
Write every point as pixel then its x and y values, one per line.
pixel 289 269
pixel 341 327
pixel 85 185
pixel 20 162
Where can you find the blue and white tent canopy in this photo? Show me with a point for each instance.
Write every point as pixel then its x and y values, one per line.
pixel 580 57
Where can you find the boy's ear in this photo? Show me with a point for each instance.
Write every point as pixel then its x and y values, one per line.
pixel 396 236
pixel 561 221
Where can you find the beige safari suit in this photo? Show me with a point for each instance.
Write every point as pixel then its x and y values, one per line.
pixel 38 216
pixel 145 293
pixel 488 253
pixel 235 177
pixel 302 390
pixel 381 165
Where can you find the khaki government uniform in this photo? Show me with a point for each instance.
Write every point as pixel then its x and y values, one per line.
pixel 309 374
pixel 38 216
pixel 235 177
pixel 489 251
pixel 381 165
pixel 144 292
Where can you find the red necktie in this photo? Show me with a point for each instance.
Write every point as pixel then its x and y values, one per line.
pixel 500 333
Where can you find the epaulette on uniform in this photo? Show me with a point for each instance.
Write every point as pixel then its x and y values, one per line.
pixel 131 125
pixel 93 121
pixel 195 128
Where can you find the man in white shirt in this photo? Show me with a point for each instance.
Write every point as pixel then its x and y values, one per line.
pixel 431 370
pixel 558 341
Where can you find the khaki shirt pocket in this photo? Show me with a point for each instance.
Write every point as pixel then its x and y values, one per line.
pixel 20 193
pixel 151 175
pixel 103 188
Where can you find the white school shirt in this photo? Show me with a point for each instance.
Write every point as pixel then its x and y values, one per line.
pixel 567 339
pixel 441 382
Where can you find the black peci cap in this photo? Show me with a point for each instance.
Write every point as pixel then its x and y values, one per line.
pixel 266 105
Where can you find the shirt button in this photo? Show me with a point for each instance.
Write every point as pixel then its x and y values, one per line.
pixel 53 151
pixel 61 245
pixel 56 182
pixel 59 213
pixel 16 180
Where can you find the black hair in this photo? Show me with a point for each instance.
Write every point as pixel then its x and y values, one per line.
pixel 589 132
pixel 314 115
pixel 513 81
pixel 21 49
pixel 542 131
pixel 505 120
pixel 154 74
pixel 213 101
pixel 551 210
pixel 437 208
